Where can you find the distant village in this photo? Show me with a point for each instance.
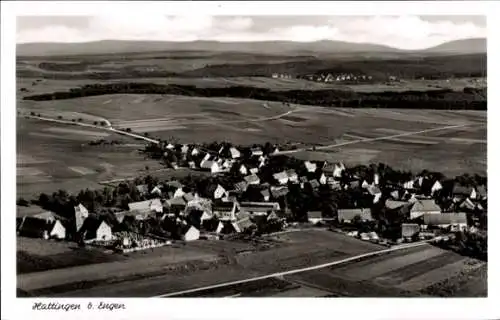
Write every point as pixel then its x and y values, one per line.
pixel 253 190
pixel 330 77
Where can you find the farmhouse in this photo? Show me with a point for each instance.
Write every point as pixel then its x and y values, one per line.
pixel 259 208
pixel 96 229
pixel 212 166
pixel 81 213
pixel 252 179
pixel 347 215
pixel 189 233
pixel 256 152
pixel 292 175
pixel 278 192
pixel 281 177
pixel 310 167
pixel 456 221
pixel 241 186
pixel 225 211
pixel 41 228
pixel 408 230
pixel 421 207
pixel 316 216
pixel 243 170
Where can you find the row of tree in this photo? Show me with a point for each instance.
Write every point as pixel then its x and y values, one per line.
pixel 436 99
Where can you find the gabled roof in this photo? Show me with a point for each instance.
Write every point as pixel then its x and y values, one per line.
pixel 391 204
pixel 290 173
pixel 259 206
pixel 314 215
pixel 252 178
pixel 445 218
pixel 279 192
pixel 142 188
pixel 409 229
pixel 265 193
pixel 280 175
pixel 33 227
pixel 140 205
pixel 373 190
pixel 179 201
pixel 349 214
pixel 188 196
pixel 222 206
pixel 425 205
pixel 49 216
pixel 241 186
pixel 481 190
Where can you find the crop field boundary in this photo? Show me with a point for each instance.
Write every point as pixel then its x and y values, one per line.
pixel 289 272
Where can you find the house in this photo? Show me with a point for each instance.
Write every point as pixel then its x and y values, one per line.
pixel 170 146
pixel 242 222
pixel 254 170
pixel 461 191
pixel 156 205
pixel 456 221
pixel 189 233
pixel 265 194
pixel 143 189
pixel 96 229
pixel 235 153
pixel 276 150
pixel 259 208
pixel 81 213
pixel 281 177
pixel 436 187
pixel 174 184
pixel 241 186
pixel 184 149
pixel 375 192
pixel 408 230
pixel 219 192
pixel 225 211
pixel 278 192
pixel 192 165
pixel 179 192
pixel 292 175
pixel 243 170
pixel 315 217
pixel 252 179
pixel 212 225
pixel 376 179
pixel 156 191
pixel 338 169
pixel 322 179
pixel 478 193
pixel 177 205
pixel 211 166
pixel 347 215
pixel 395 194
pixel 146 206
pixel 314 184
pixel 394 205
pixel 41 228
pixel 467 204
pixel 310 167
pixel 409 185
pixel 424 206
pixel 256 152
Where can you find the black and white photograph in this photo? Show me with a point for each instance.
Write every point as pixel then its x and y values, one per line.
pixel 250 156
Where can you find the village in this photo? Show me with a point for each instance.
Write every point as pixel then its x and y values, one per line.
pixel 254 190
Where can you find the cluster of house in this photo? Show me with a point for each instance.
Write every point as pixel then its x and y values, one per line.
pixel 221 209
pixel 281 76
pixel 329 77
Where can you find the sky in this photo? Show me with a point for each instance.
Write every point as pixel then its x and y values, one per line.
pixel 404 32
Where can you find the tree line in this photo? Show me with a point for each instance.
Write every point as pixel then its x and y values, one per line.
pixel 469 98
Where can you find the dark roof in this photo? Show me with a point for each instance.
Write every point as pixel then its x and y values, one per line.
pixel 222 206
pixel 445 218
pixel 33 227
pixel 461 190
pixel 314 215
pixel 349 214
pixel 409 229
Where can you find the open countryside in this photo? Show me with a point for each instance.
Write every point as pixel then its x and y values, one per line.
pixel 248 174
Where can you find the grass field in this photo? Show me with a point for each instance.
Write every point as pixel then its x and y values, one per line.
pixel 53 156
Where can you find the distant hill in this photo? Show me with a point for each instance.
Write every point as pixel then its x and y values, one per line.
pixel 466 46
pixel 266 47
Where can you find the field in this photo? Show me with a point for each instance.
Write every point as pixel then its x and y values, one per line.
pixel 420 271
pixel 53 156
pixel 407 144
